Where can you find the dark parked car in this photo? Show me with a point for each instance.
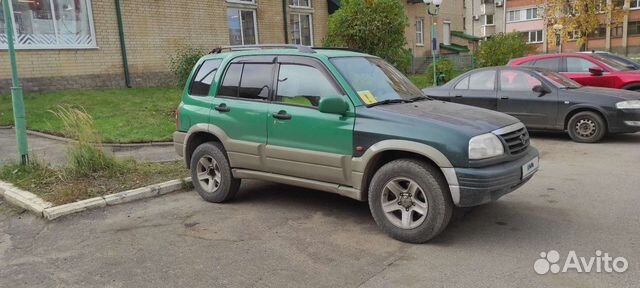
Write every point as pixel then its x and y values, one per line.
pixel 546 100
pixel 631 64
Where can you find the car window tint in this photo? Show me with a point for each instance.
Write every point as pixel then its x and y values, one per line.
pixel 231 81
pixel 256 81
pixel 463 84
pixel 552 64
pixel 512 80
pixel 575 64
pixel 201 83
pixel 483 80
pixel 303 85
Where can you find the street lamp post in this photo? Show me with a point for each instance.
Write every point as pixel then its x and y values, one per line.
pixel 558 28
pixel 16 90
pixel 434 37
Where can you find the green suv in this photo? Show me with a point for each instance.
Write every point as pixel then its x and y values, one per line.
pixel 347 123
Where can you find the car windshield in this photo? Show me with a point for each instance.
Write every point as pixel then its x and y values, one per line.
pixel 376 80
pixel 559 80
pixel 614 65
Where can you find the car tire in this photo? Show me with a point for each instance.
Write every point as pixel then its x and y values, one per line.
pixel 211 173
pixel 587 127
pixel 399 208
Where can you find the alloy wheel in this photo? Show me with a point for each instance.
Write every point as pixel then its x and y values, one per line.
pixel 404 203
pixel 209 175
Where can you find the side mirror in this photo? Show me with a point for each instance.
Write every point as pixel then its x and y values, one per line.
pixel 333 105
pixel 596 71
pixel 540 89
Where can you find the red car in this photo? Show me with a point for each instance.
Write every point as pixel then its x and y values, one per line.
pixel 586 69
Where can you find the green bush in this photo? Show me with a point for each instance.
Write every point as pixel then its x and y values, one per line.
pixel 373 26
pixel 445 67
pixel 500 48
pixel 183 62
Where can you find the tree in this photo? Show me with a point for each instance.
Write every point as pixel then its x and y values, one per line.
pixel 500 48
pixel 373 26
pixel 581 18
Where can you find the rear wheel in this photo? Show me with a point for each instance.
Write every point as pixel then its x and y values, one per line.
pixel 410 201
pixel 587 127
pixel 211 173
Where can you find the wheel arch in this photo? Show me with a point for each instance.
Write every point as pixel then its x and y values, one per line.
pixel 632 86
pixel 201 133
pixel 583 108
pixel 386 151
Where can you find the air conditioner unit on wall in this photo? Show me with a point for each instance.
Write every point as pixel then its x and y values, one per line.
pixel 499 3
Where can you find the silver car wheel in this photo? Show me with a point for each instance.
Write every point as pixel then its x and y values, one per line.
pixel 404 203
pixel 209 175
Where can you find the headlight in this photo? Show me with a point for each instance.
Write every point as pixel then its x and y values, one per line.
pixel 485 146
pixel 633 104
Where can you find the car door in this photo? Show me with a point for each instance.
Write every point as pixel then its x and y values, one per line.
pixel 302 141
pixel 240 109
pixel 577 68
pixel 200 100
pixel 517 98
pixel 477 89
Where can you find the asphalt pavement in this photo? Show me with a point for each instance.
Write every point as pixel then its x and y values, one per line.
pixel 586 197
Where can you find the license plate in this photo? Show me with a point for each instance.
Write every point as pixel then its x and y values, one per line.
pixel 529 168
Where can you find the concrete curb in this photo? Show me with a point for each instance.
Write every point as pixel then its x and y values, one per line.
pixel 115 145
pixel 35 204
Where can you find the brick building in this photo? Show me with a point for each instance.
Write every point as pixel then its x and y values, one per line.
pixel 65 44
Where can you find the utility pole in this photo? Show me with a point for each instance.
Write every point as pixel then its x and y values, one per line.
pixel 16 90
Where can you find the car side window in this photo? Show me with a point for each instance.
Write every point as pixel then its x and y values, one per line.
pixel 463 84
pixel 303 85
pixel 201 83
pixel 483 80
pixel 575 64
pixel 247 81
pixel 512 80
pixel 552 64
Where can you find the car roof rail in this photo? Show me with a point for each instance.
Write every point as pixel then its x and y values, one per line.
pixel 338 48
pixel 300 48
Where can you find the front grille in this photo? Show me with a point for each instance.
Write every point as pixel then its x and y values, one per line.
pixel 516 141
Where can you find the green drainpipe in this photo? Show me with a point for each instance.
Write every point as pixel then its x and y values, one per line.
pixel 123 46
pixel 284 17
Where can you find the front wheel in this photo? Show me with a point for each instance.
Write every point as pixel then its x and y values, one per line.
pixel 410 200
pixel 211 173
pixel 587 127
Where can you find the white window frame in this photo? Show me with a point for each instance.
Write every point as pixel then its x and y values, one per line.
pixel 637 2
pixel 517 15
pixel 535 17
pixel 493 20
pixel 242 1
pixel 420 32
pixel 534 33
pixel 92 30
pixel 255 24
pixel 300 25
pixel 294 5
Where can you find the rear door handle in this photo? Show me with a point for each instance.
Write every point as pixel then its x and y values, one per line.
pixel 281 115
pixel 458 96
pixel 222 108
pixel 504 98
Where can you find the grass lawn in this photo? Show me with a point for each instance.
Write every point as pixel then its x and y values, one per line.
pixel 420 80
pixel 58 187
pixel 120 115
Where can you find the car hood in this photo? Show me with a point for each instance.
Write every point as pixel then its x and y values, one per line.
pixel 472 120
pixel 620 94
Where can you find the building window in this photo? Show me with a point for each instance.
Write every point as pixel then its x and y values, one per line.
pixel 488 19
pixel 513 16
pixel 420 32
pixel 532 13
pixel 53 24
pixel 534 36
pixel 301 29
pixel 242 26
pixel 300 3
pixel 633 28
pixel 600 32
pixel 616 31
pixel 635 4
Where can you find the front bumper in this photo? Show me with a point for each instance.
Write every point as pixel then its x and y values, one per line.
pixel 625 121
pixel 476 186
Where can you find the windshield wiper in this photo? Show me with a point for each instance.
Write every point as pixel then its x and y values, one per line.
pixel 420 98
pixel 389 101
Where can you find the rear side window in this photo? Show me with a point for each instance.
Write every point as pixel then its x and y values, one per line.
pixel 247 81
pixel 463 84
pixel 483 80
pixel 575 64
pixel 201 83
pixel 552 64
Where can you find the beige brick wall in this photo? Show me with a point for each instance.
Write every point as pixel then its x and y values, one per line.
pixel 154 30
pixel 449 11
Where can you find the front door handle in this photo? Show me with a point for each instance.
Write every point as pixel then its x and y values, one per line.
pixel 458 96
pixel 281 115
pixel 504 97
pixel 222 108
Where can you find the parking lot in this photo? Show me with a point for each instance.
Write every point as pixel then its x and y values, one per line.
pixel 584 198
